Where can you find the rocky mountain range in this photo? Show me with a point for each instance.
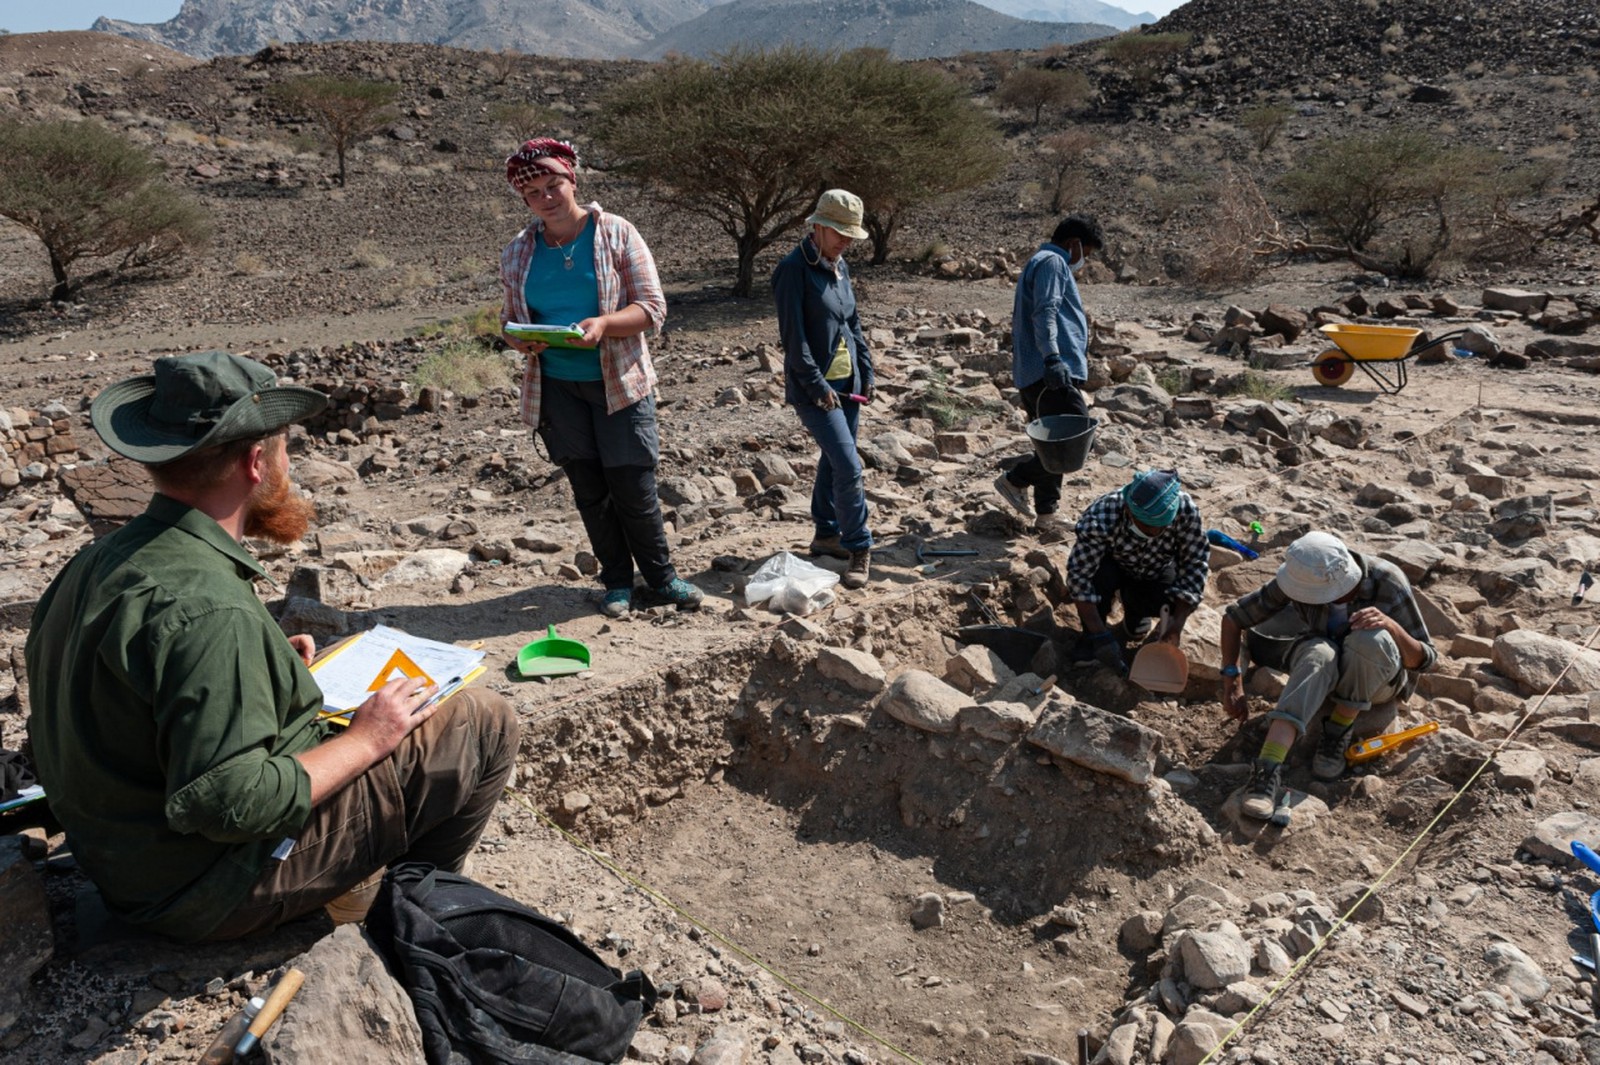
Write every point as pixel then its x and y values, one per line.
pixel 907 29
pixel 1070 11
pixel 613 29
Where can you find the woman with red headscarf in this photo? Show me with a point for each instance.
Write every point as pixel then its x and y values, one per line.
pixel 592 402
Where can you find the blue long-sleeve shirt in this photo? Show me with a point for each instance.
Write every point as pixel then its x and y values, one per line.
pixel 1047 319
pixel 816 307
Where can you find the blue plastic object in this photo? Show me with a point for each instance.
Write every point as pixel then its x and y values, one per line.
pixel 1592 860
pixel 1222 539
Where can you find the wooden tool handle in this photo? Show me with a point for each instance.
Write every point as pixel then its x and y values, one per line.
pixel 276 1002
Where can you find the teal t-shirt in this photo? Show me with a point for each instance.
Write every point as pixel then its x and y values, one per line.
pixel 562 289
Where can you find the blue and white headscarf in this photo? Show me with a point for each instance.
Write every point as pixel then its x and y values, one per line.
pixel 1152 497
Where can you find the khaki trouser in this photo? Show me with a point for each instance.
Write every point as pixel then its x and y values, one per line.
pixel 426 802
pixel 1362 669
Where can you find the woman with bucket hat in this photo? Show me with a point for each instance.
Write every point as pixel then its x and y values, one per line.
pixel 592 402
pixel 1361 641
pixel 1143 544
pixel 828 375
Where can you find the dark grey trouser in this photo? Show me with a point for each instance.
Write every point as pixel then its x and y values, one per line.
pixel 1361 669
pixel 1041 402
pixel 610 462
pixel 426 802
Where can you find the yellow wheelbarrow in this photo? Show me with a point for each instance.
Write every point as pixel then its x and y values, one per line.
pixel 1380 350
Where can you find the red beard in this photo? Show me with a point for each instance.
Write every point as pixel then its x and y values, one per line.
pixel 276 511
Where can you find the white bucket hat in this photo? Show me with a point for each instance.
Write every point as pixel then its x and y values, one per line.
pixel 1317 569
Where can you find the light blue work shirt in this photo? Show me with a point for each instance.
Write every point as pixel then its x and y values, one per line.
pixel 1047 319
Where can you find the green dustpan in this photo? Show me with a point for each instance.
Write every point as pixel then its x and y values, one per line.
pixel 552 656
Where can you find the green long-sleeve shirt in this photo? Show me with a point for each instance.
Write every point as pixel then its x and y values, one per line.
pixel 167 707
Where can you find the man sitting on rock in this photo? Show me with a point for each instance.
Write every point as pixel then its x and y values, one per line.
pixel 1361 639
pixel 174 727
pixel 1143 544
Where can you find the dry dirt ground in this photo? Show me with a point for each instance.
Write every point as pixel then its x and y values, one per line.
pixel 707 756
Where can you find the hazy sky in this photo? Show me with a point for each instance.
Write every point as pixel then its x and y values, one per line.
pixel 31 16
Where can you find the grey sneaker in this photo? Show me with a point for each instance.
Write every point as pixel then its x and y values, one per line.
pixel 1015 494
pixel 1329 762
pixel 827 545
pixel 859 571
pixel 1051 529
pixel 1261 794
pixel 1136 632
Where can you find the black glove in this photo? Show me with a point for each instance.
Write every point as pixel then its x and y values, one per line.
pixel 1108 653
pixel 1055 373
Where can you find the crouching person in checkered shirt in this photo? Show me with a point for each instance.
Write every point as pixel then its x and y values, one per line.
pixel 1142 544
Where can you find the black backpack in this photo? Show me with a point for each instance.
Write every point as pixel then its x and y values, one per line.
pixel 496 983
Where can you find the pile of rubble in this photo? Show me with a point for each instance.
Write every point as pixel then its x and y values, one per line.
pixel 35 445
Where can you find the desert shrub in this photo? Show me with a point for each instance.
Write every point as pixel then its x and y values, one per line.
pixel 1061 165
pixel 522 119
pixel 1036 90
pixel 482 326
pixel 751 148
pixel 948 409
pixel 1144 56
pixel 1254 384
pixel 464 367
pixel 1237 223
pixel 1423 197
pixel 345 109
pixel 1264 124
pixel 501 65
pixel 87 193
pixel 369 256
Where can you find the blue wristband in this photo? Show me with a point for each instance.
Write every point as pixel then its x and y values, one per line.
pixel 1230 671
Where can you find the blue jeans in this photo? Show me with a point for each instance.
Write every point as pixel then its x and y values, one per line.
pixel 839 498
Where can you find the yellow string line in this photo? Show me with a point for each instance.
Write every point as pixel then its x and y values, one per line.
pixel 1316 948
pixel 622 874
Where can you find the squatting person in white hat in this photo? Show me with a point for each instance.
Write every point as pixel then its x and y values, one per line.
pixel 1362 641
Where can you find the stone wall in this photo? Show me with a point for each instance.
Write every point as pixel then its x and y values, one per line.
pixel 35 444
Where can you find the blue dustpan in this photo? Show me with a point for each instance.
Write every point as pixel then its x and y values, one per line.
pixel 1592 860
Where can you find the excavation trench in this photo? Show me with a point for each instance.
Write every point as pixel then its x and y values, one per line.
pixel 790 813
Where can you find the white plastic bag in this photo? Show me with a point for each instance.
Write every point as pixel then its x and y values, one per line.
pixel 790 585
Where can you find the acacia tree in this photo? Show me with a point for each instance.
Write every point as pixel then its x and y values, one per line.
pixel 742 140
pixel 1144 56
pixel 917 137
pixel 749 138
pixel 344 108
pixel 1036 88
pixel 86 193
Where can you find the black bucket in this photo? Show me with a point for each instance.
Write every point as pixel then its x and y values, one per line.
pixel 1062 441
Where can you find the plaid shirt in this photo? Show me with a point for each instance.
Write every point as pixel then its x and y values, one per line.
pixel 626 274
pixel 1105 528
pixel 1381 585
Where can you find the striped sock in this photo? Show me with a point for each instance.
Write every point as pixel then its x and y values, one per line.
pixel 1342 719
pixel 1274 752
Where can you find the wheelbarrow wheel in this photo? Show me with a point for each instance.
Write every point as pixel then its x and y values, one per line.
pixel 1332 368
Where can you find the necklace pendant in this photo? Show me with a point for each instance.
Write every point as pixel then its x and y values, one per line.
pixel 567 265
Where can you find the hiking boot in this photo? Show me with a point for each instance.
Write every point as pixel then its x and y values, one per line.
pixel 681 594
pixel 828 545
pixel 1014 494
pixel 352 906
pixel 859 570
pixel 1261 794
pixel 1328 763
pixel 1051 529
pixel 617 603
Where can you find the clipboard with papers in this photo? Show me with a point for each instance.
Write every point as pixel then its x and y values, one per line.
pixel 555 336
pixel 352 671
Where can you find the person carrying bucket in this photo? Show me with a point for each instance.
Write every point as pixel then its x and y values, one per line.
pixel 1361 640
pixel 1049 357
pixel 1142 544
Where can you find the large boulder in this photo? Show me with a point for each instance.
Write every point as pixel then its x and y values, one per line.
pixel 923 701
pixel 1535 660
pixel 1096 739
pixel 350 1011
pixel 856 669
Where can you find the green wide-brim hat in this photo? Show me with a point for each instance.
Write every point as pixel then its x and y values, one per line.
pixel 197 401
